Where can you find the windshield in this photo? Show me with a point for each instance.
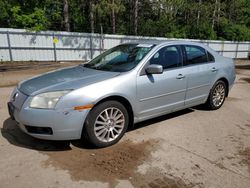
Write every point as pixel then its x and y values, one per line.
pixel 121 58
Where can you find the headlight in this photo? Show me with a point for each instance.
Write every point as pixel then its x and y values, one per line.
pixel 47 100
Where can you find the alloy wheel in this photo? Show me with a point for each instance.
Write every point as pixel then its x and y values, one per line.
pixel 218 95
pixel 109 124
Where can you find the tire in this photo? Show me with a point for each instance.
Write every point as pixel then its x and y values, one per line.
pixel 217 95
pixel 106 124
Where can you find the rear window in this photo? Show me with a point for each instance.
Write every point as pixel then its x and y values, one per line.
pixel 197 55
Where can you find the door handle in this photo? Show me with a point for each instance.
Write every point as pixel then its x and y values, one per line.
pixel 214 69
pixel 180 76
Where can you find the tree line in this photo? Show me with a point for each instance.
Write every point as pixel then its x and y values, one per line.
pixel 199 19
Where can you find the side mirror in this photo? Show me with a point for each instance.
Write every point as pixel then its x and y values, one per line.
pixel 154 69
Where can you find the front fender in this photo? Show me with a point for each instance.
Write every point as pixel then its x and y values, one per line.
pixel 123 86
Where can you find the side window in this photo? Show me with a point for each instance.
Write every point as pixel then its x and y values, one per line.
pixel 168 57
pixel 210 57
pixel 195 55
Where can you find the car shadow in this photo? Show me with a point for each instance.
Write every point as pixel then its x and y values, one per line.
pixel 160 119
pixel 201 107
pixel 15 136
pixel 11 132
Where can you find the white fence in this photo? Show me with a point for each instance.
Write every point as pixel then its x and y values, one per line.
pixel 20 45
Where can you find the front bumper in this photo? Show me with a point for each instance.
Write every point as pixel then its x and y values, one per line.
pixel 66 124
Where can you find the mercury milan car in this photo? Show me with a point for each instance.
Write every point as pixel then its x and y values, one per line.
pixel 124 85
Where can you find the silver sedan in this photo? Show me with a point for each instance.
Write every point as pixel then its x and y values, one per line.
pixel 127 84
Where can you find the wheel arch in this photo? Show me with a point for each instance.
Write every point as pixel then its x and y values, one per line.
pixel 125 102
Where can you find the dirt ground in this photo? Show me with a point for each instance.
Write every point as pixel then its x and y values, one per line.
pixel 190 148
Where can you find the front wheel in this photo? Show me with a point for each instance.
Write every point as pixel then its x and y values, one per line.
pixel 106 124
pixel 217 95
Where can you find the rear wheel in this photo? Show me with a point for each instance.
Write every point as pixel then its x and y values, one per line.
pixel 106 124
pixel 217 95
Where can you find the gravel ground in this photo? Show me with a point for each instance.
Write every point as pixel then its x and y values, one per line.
pixel 190 148
pixel 12 73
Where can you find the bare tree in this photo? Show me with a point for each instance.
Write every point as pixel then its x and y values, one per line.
pixel 199 12
pixel 66 15
pixel 135 16
pixel 113 16
pixel 91 16
pixel 218 13
pixel 214 13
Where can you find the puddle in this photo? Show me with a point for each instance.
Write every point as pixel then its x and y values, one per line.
pixel 246 79
pixel 118 162
pixel 247 125
pixel 154 179
pixel 245 67
pixel 240 127
pixel 233 99
pixel 245 154
pixel 107 164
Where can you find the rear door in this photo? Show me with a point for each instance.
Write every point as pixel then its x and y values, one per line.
pixel 201 70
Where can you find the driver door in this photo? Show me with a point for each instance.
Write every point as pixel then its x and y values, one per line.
pixel 162 93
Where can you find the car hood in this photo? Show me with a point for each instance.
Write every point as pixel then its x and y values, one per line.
pixel 64 79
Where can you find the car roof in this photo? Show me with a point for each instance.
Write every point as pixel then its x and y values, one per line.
pixel 163 42
pixel 158 43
